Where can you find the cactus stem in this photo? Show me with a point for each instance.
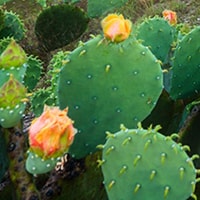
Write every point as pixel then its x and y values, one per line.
pixel 107 69
pixel 123 169
pixel 110 149
pixel 110 135
pixel 152 175
pixel 137 187
pixel 127 140
pixel 100 162
pixel 166 191
pixel 181 170
pixel 121 50
pixel 111 184
pixel 82 52
pixel 163 157
pixel 138 157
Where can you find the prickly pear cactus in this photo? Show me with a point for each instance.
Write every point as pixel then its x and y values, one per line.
pixel 13 26
pixel 185 81
pixel 160 36
pixel 96 8
pixel 37 165
pixel 73 24
pixel 12 102
pixel 143 164
pixel 33 72
pixel 12 61
pixel 107 83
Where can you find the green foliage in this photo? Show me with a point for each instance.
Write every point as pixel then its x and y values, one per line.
pixel 107 83
pixel 143 164
pixel 13 26
pixel 186 67
pixel 59 25
pixel 97 8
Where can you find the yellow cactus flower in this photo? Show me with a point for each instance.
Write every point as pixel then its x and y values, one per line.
pixel 170 16
pixel 116 28
pixel 51 134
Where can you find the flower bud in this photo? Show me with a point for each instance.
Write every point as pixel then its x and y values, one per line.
pixel 170 16
pixel 116 28
pixel 51 134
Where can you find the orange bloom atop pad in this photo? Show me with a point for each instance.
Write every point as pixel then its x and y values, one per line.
pixel 51 134
pixel 116 28
pixel 170 16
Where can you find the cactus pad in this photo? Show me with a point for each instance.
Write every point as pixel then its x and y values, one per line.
pixel 159 38
pixel 143 164
pixel 97 8
pixel 13 26
pixel 186 67
pixel 37 165
pixel 105 83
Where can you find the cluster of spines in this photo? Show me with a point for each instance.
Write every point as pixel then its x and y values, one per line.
pixel 138 158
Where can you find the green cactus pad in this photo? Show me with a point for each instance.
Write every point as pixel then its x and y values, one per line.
pixel 37 165
pixel 96 8
pixel 10 117
pixel 33 72
pixel 143 164
pixel 159 38
pixel 105 83
pixel 13 26
pixel 65 23
pixel 185 81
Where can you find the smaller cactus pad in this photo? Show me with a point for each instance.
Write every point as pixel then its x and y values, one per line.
pixel 159 38
pixel 37 165
pixel 143 164
pixel 186 67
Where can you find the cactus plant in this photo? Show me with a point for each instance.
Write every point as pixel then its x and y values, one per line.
pixel 186 67
pixel 12 102
pixel 160 37
pixel 98 8
pixel 65 23
pixel 144 164
pixel 105 82
pixel 13 26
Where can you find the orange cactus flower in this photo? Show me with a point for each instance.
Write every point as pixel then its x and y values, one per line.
pixel 116 28
pixel 170 16
pixel 51 134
